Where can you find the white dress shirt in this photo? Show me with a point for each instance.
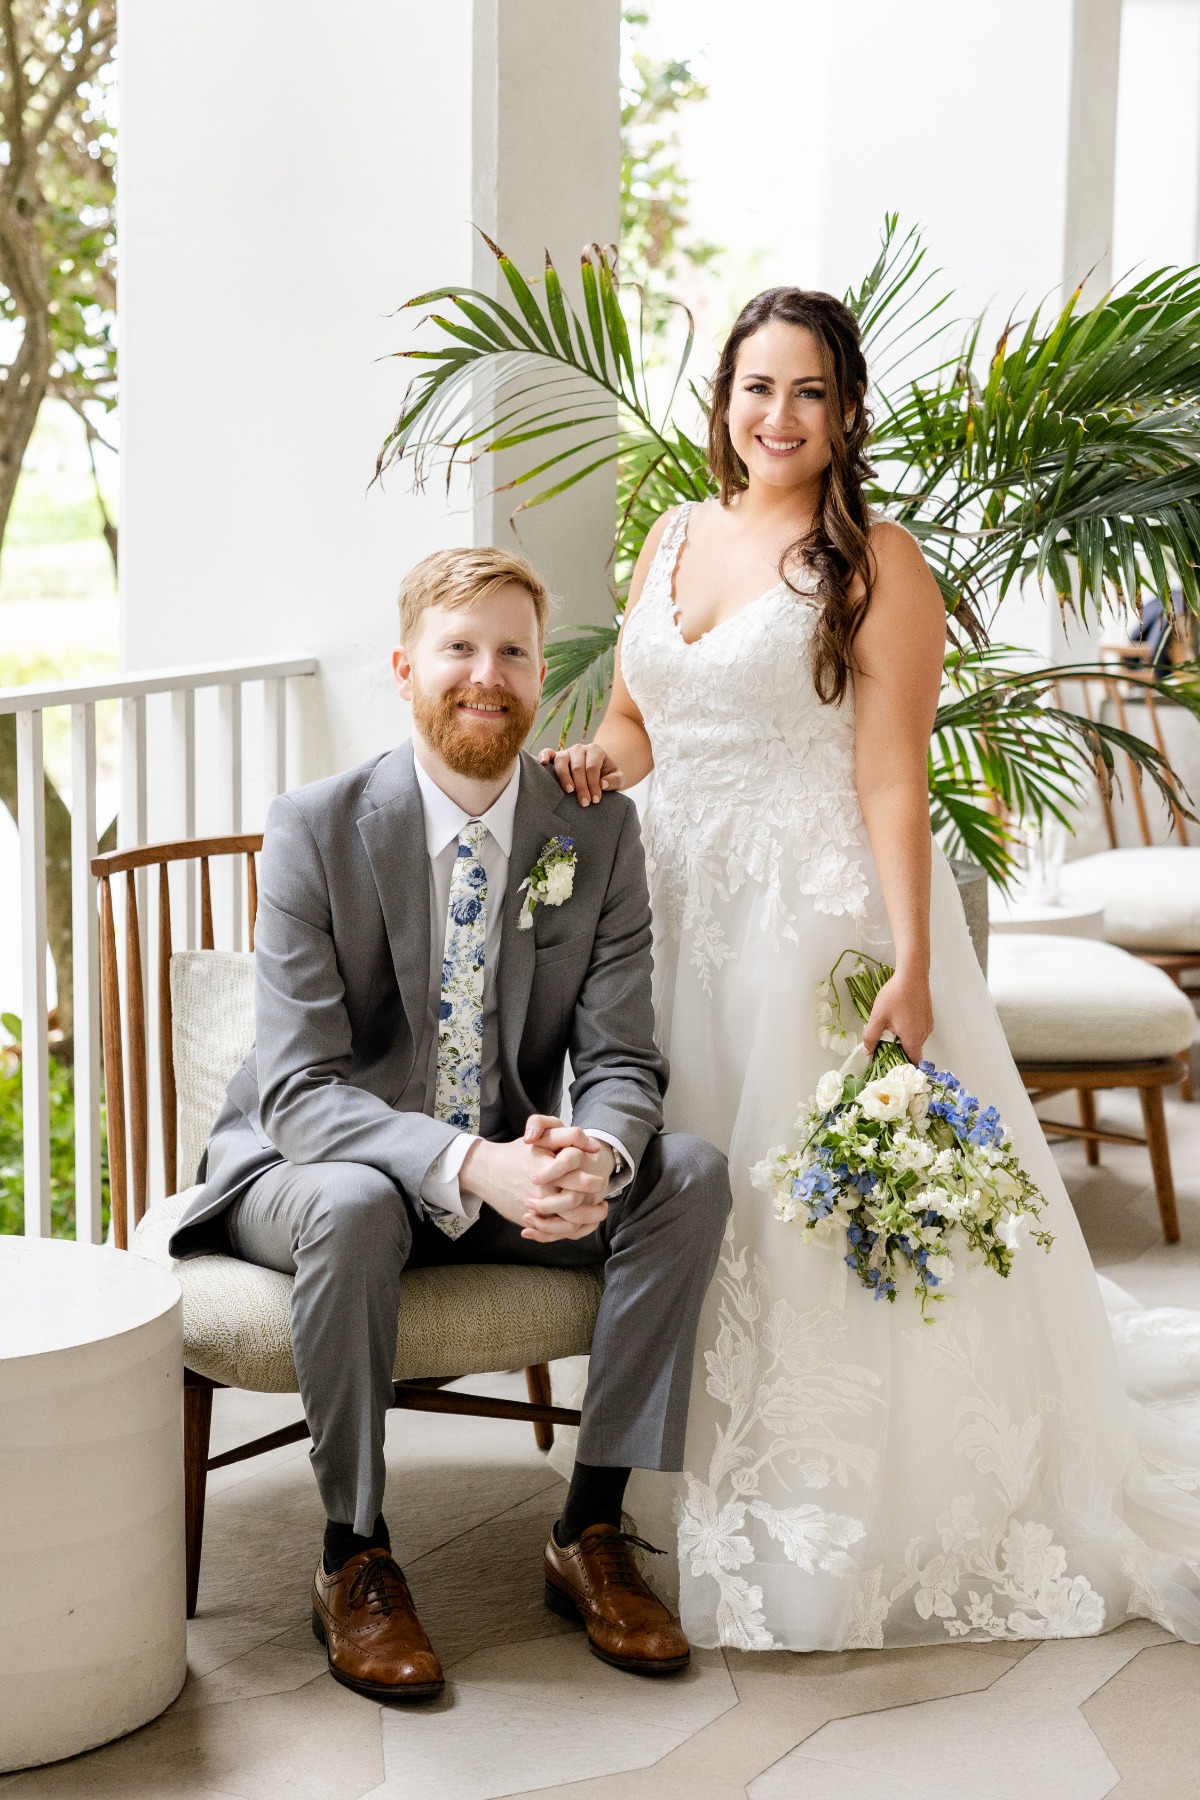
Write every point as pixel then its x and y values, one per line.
pixel 444 820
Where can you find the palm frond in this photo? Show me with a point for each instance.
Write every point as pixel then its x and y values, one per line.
pixel 579 670
pixel 500 380
pixel 1002 748
pixel 1068 456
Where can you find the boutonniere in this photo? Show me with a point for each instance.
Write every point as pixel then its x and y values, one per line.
pixel 550 881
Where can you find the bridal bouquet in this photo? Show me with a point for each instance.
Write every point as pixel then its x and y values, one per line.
pixel 902 1159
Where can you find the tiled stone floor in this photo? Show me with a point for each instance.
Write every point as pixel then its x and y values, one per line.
pixel 528 1711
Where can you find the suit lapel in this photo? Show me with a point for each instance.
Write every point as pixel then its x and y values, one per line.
pixel 534 822
pixel 394 838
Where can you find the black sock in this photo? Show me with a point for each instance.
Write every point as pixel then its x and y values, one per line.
pixel 593 1498
pixel 342 1542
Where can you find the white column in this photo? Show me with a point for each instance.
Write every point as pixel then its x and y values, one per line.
pixel 258 282
pixel 546 176
pixel 1092 146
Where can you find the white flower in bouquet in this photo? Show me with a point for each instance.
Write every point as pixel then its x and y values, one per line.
pixel 941 1200
pixel 911 1152
pixel 884 1098
pixel 829 1090
pixel 1013 1230
pixel 766 1174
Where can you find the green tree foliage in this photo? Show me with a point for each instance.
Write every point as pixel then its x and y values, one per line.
pixel 57 220
pixel 57 299
pixel 655 189
pixel 62 1142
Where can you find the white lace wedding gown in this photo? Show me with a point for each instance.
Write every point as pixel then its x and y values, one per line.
pixel 856 1477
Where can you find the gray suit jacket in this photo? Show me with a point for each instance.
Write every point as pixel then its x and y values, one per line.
pixel 342 958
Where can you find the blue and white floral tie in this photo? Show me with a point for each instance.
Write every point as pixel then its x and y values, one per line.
pixel 460 1016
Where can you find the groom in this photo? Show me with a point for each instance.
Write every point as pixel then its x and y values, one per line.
pixel 430 946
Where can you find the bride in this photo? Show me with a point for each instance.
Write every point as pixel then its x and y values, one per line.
pixel 854 1477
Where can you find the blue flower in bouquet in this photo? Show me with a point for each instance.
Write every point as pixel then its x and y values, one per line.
pixel 904 1162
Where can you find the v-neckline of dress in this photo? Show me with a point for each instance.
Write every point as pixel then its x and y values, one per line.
pixel 673 570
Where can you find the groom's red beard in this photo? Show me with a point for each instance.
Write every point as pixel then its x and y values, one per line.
pixel 476 748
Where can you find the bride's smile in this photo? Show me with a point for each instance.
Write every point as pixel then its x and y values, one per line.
pixel 778 419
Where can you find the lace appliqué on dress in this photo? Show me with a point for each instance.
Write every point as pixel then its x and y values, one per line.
pixel 775 1373
pixel 791 1409
pixel 1013 1573
pixel 754 777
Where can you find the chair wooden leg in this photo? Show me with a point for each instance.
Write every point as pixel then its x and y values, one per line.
pixel 1160 1161
pixel 1087 1118
pixel 1185 1083
pixel 197 1419
pixel 537 1380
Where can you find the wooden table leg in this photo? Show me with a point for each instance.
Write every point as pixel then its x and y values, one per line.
pixel 1160 1161
pixel 1087 1118
pixel 197 1420
pixel 537 1380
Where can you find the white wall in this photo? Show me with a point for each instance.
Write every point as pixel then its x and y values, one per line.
pixel 822 118
pixel 290 174
pixel 1158 137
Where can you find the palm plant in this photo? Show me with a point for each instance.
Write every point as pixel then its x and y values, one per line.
pixel 1073 461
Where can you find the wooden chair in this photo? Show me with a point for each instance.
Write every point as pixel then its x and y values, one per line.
pixel 1044 1080
pixel 1081 1015
pixel 454 1321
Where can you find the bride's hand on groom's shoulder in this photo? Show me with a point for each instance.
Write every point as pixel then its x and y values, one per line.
pixel 585 770
pixel 903 1007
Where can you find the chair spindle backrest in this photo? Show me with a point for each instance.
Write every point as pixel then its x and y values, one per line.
pixel 127 1090
pixel 1128 687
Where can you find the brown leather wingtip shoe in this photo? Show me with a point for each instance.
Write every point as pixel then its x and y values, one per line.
pixel 364 1615
pixel 597 1582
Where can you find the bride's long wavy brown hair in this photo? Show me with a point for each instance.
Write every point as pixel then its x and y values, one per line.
pixel 836 546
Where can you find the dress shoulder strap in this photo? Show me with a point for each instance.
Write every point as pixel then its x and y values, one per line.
pixel 676 527
pixel 661 572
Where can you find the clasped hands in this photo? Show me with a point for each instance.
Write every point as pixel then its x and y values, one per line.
pixel 551 1182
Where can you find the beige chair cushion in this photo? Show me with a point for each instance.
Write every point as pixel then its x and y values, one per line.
pixel 1065 999
pixel 465 1320
pixel 1151 896
pixel 212 1018
pixel 237 1317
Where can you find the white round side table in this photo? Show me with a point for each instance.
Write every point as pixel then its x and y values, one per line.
pixel 93 1634
pixel 1076 918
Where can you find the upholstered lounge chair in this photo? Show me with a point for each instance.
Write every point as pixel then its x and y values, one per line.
pixel 1081 1015
pixel 236 1317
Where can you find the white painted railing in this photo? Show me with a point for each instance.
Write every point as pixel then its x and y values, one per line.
pixel 169 776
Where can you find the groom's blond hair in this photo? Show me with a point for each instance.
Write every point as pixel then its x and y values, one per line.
pixel 457 578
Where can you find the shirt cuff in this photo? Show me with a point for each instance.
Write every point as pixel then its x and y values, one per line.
pixel 623 1174
pixel 449 1209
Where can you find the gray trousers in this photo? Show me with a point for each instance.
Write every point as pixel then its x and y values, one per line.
pixel 346 1233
